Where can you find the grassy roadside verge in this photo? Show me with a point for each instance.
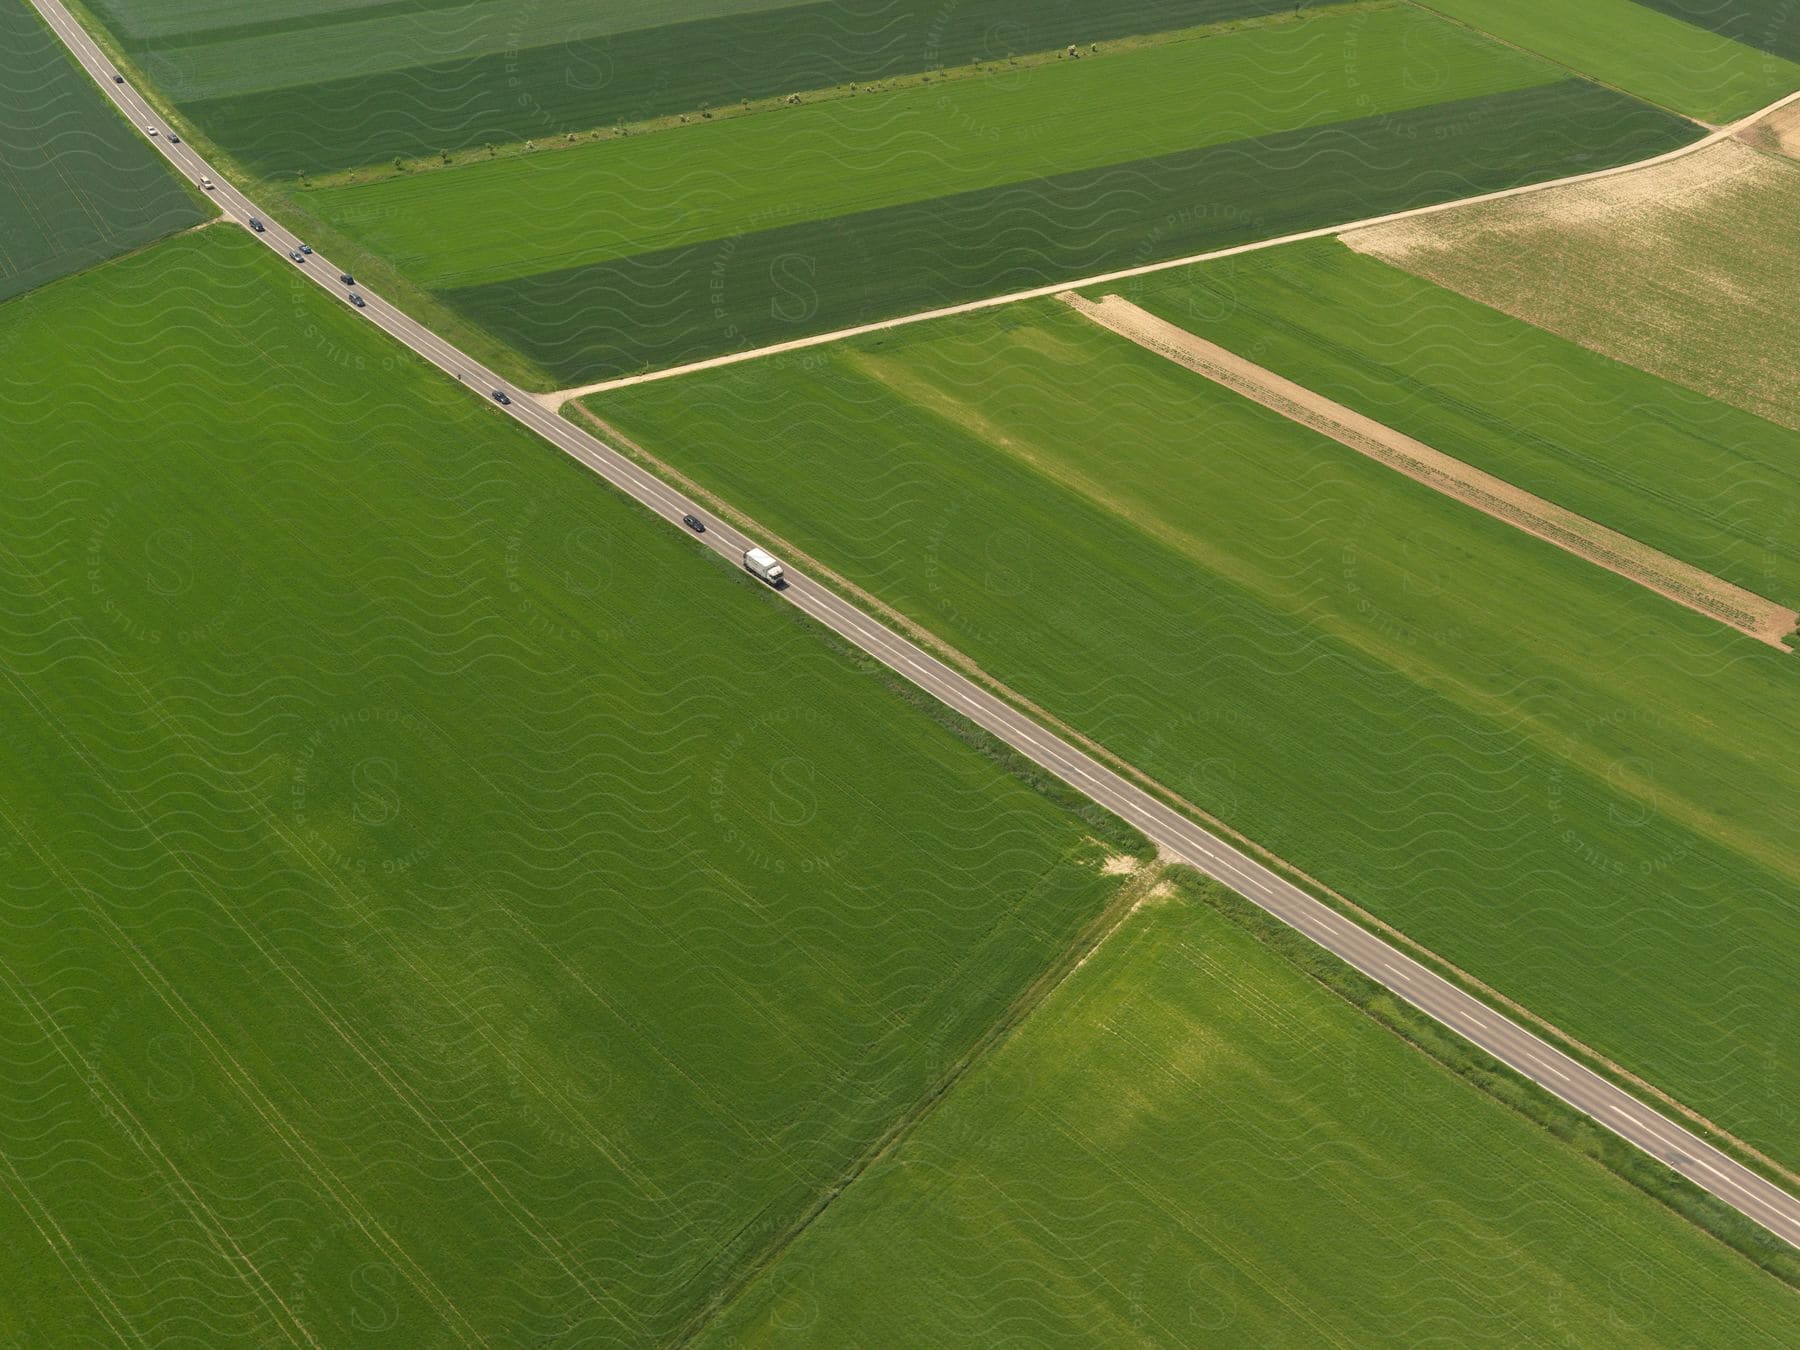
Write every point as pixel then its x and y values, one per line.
pixel 1519 1094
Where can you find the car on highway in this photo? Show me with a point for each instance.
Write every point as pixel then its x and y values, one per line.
pixel 306 248
pixel 501 398
pixel 149 130
pixel 694 523
pixel 174 139
pixel 256 224
pixel 346 278
pixel 118 79
pixel 297 256
pixel 206 182
pixel 358 301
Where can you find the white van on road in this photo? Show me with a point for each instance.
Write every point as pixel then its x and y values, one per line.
pixel 760 563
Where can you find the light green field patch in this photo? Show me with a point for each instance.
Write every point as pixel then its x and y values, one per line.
pixel 412 37
pixel 483 223
pixel 165 18
pixel 1685 473
pixel 1191 1143
pixel 1568 785
pixel 1634 48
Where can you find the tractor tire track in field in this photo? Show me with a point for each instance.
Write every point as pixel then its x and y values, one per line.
pixel 1681 582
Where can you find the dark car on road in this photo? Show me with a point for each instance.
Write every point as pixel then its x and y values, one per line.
pixel 174 139
pixel 118 79
pixel 694 523
pixel 297 256
pixel 256 224
pixel 358 301
pixel 501 398
pixel 346 278
pixel 306 248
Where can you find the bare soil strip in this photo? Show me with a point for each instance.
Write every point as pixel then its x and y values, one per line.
pixel 1685 584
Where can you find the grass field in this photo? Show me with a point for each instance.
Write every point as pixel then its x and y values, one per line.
pixel 684 303
pixel 1689 475
pixel 441 904
pixel 1709 73
pixel 495 221
pixel 1563 783
pixel 1675 269
pixel 77 184
pixel 1193 1143
pixel 609 257
pixel 320 86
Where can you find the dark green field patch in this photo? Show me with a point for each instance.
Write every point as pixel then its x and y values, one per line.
pixel 688 303
pixel 625 77
pixel 77 184
pixel 1772 25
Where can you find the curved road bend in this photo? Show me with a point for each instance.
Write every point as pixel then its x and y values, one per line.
pixel 1505 1040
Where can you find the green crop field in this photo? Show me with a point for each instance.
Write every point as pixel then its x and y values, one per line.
pixel 609 257
pixel 324 85
pixel 517 217
pixel 1564 783
pixel 441 905
pixel 77 183
pixel 1716 73
pixel 1689 475
pixel 694 301
pixel 1191 1143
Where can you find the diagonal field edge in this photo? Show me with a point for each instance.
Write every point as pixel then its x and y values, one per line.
pixel 1751 614
pixel 775 278
pixel 561 396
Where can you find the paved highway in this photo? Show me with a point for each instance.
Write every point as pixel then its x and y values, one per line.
pixel 1180 838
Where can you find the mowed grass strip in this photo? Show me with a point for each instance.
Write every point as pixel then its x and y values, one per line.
pixel 1193 1143
pixel 1685 473
pixel 504 219
pixel 77 183
pixel 683 304
pixel 1682 269
pixel 1702 72
pixel 1567 785
pixel 693 57
pixel 439 897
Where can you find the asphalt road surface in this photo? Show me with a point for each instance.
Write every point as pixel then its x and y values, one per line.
pixel 1180 838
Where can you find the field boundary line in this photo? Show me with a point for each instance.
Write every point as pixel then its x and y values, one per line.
pixel 1134 889
pixel 555 399
pixel 1699 590
pixel 1625 1078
